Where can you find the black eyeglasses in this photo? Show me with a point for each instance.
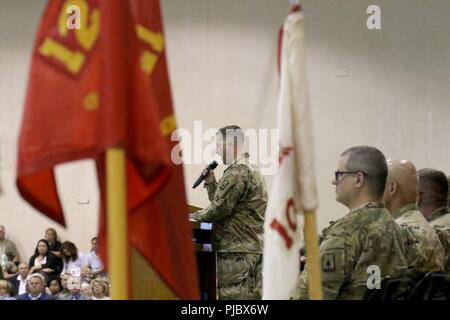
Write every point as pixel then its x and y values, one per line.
pixel 338 173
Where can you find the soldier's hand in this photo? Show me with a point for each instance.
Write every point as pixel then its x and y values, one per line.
pixel 210 178
pixel 192 216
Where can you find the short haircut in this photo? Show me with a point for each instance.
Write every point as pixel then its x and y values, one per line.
pixel 232 131
pixel 434 185
pixel 448 178
pixel 373 163
pixel 38 275
pixel 58 281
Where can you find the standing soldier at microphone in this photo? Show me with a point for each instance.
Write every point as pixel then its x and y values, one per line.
pixel 238 204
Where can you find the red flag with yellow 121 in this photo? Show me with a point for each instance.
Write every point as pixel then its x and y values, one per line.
pixel 102 85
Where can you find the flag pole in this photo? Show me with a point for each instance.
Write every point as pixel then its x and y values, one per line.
pixel 116 208
pixel 312 251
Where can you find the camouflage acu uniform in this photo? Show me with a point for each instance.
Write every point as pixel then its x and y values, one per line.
pixel 423 250
pixel 440 221
pixel 366 236
pixel 238 204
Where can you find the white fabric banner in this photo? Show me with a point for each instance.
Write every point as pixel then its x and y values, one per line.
pixel 294 187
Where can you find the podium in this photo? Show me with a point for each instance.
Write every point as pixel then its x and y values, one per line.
pixel 206 258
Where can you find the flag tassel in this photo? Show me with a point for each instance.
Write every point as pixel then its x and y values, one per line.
pixel 118 254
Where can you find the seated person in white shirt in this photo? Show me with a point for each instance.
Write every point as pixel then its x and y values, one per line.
pixel 19 282
pixel 93 262
pixel 73 260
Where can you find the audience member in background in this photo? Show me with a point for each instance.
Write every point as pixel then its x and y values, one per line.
pixel 55 245
pixel 86 275
pixel 73 260
pixel 19 283
pixel 8 249
pixel 74 286
pixel 100 290
pixel 9 270
pixel 54 288
pixel 92 260
pixel 65 291
pixel 36 288
pixel 44 262
pixel 86 289
pixel 5 290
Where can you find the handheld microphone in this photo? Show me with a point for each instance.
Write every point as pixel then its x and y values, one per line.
pixel 202 177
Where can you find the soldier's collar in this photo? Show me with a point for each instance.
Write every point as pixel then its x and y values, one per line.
pixel 437 213
pixel 244 156
pixel 404 209
pixel 370 205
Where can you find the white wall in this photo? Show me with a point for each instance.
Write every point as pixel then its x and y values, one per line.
pixel 222 64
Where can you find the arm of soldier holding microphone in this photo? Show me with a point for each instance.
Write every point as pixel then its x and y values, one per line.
pixel 223 195
pixel 210 183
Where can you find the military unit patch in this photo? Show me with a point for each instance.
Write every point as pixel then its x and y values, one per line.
pixel 224 185
pixel 328 263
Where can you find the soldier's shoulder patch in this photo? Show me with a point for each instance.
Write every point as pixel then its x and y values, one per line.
pixel 328 262
pixel 224 185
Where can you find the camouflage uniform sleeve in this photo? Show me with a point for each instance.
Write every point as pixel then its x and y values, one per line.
pixel 337 256
pixel 229 191
pixel 444 237
pixel 414 253
pixel 211 189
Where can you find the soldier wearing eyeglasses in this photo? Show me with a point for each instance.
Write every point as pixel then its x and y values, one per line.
pixel 367 238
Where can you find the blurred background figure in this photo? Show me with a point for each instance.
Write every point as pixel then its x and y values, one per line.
pixel 64 293
pixel 5 290
pixel 36 289
pixel 19 283
pixel 73 260
pixel 8 249
pixel 9 270
pixel 100 290
pixel 54 288
pixel 86 289
pixel 44 261
pixel 93 262
pixel 74 287
pixel 55 245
